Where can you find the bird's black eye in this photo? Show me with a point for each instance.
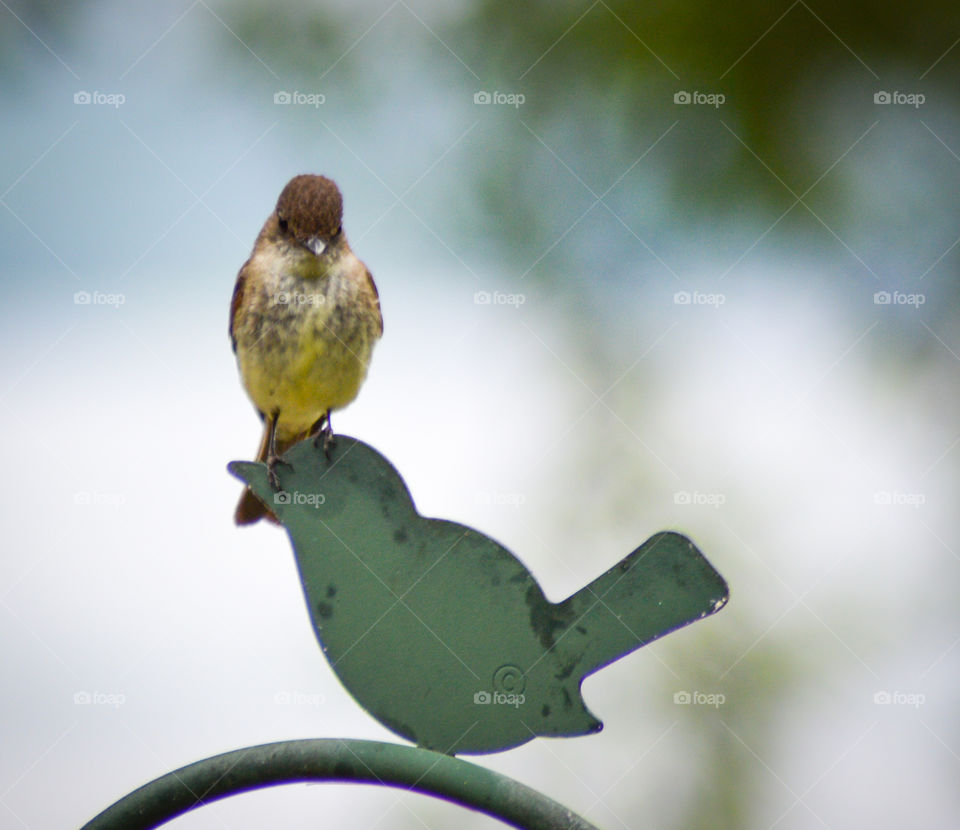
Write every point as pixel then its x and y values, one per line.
pixel 283 225
pixel 339 229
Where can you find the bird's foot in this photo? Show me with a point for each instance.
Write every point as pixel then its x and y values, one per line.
pixel 323 436
pixel 326 440
pixel 272 462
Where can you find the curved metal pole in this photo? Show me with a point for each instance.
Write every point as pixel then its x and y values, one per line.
pixel 330 759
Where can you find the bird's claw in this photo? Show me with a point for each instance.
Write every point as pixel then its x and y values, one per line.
pixel 324 439
pixel 272 477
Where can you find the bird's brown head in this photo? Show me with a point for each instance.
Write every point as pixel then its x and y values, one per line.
pixel 310 209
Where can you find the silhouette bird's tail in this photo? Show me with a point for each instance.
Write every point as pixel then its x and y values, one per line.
pixel 656 589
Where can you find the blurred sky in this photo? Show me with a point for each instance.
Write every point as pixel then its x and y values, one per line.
pixel 590 335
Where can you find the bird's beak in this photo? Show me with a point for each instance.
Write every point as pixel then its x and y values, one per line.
pixel 316 245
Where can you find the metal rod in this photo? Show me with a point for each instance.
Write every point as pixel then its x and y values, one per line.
pixel 330 759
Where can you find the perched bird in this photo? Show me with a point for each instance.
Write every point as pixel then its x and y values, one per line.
pixel 439 631
pixel 304 319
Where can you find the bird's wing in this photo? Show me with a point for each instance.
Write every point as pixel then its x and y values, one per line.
pixel 376 294
pixel 238 290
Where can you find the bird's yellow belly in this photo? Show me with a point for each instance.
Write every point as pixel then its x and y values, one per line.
pixel 302 390
pixel 303 363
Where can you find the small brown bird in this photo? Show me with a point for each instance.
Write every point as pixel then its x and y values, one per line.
pixel 304 319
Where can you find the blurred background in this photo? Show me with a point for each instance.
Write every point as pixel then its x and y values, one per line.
pixel 641 267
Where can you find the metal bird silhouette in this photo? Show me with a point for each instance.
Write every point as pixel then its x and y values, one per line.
pixel 440 632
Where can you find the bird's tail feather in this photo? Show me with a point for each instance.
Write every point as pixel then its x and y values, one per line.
pixel 250 508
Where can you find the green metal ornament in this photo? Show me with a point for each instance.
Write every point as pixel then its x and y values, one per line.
pixel 440 632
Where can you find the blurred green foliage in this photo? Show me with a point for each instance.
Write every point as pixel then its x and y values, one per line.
pixel 599 119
